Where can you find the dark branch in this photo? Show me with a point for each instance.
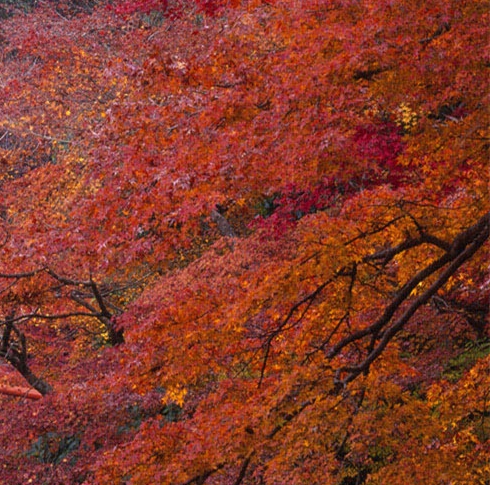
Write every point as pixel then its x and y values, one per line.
pixel 308 301
pixel 390 310
pixel 202 477
pixel 18 276
pixel 14 351
pixel 58 316
pixel 465 245
pixel 243 470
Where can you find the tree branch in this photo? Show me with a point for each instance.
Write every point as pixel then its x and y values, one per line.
pixel 16 354
pixel 243 469
pixel 464 246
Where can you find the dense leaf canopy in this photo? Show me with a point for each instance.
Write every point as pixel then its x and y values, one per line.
pixel 244 242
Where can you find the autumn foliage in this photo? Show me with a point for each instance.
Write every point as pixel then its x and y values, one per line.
pixel 244 242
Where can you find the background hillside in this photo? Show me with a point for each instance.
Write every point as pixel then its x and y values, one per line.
pixel 244 242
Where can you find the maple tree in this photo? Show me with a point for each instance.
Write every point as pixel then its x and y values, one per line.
pixel 244 242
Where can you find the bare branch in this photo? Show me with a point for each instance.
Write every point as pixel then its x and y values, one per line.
pixel 463 248
pixel 15 352
pixel 308 301
pixel 243 469
pixel 202 477
pixel 18 276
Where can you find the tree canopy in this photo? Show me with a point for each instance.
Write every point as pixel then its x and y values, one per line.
pixel 244 242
